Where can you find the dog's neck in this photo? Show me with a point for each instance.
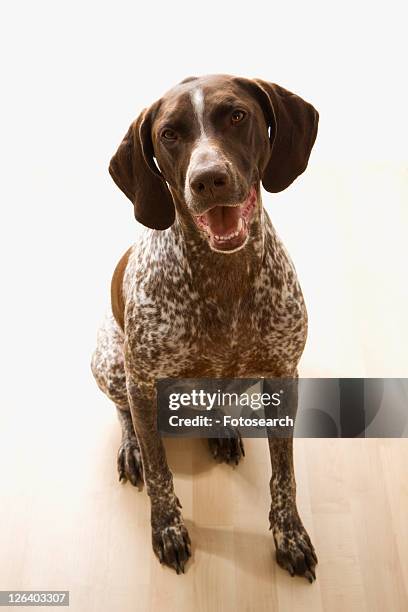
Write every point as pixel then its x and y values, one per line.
pixel 225 276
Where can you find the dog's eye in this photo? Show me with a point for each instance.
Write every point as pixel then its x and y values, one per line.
pixel 237 116
pixel 169 134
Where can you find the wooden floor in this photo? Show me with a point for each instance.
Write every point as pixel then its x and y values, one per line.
pixel 71 525
pixel 67 523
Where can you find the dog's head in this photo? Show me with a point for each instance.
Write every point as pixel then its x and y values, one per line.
pixel 212 140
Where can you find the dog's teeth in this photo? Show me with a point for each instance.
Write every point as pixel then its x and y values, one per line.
pixel 240 223
pixel 229 236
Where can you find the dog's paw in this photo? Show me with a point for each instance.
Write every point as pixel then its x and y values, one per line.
pixel 129 462
pixel 228 449
pixel 294 550
pixel 172 545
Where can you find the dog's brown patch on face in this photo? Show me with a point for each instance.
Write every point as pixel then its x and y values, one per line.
pixel 242 146
pixel 212 123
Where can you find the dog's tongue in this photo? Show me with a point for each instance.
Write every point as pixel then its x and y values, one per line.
pixel 222 220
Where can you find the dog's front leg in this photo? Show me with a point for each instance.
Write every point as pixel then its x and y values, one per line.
pixel 170 538
pixel 294 550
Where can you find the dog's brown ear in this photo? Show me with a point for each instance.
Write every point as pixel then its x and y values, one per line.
pixel 135 173
pixel 293 129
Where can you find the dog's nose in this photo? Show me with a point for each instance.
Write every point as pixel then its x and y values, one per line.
pixel 211 181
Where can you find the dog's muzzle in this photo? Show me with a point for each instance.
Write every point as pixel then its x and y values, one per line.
pixel 227 227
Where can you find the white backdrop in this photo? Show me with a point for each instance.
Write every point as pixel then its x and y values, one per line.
pixel 75 74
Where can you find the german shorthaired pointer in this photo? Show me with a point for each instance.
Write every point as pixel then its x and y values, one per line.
pixel 208 290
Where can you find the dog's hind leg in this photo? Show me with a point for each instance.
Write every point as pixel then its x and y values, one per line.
pixel 108 369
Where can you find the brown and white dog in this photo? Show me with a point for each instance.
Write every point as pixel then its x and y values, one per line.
pixel 208 290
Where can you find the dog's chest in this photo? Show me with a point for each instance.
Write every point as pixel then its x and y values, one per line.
pixel 176 332
pixel 252 337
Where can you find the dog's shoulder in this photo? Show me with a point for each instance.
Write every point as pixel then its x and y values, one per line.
pixel 153 270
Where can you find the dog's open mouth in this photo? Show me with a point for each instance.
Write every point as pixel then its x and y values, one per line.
pixel 227 227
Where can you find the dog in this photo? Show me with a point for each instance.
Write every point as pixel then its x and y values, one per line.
pixel 208 290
